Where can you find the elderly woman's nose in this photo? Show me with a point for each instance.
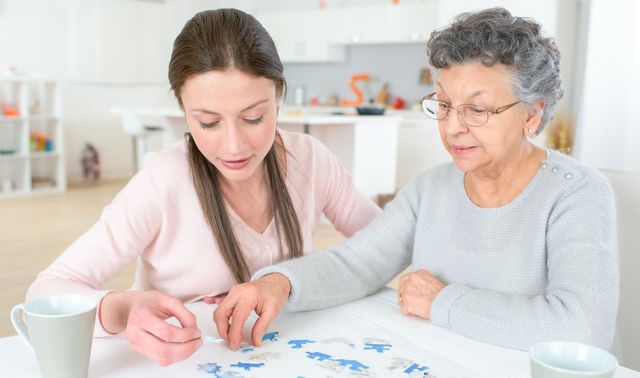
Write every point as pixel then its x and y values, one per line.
pixel 453 124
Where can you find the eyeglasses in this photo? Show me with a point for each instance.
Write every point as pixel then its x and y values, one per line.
pixel 470 115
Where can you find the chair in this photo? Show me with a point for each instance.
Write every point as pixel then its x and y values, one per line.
pixel 132 124
pixel 627 344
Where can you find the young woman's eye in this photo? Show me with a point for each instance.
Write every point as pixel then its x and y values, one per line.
pixel 208 125
pixel 254 121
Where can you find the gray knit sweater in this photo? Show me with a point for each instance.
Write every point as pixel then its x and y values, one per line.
pixel 544 267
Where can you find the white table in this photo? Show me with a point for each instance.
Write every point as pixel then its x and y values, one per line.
pixel 135 122
pixel 445 352
pixel 367 146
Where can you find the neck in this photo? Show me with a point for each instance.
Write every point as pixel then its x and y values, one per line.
pixel 500 183
pixel 252 186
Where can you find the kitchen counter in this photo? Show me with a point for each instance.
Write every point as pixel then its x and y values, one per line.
pixel 367 146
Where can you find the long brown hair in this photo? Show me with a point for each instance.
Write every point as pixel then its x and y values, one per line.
pixel 218 40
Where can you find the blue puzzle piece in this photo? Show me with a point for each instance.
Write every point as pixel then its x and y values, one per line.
pixel 209 368
pixel 352 364
pixel 216 370
pixel 377 347
pixel 416 367
pixel 297 344
pixel 271 336
pixel 247 365
pixel 318 356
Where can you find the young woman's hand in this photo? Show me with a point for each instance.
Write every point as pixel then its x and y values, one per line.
pixel 266 296
pixel 417 291
pixel 217 299
pixel 141 315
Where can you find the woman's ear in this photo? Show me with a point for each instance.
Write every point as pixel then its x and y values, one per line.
pixel 534 118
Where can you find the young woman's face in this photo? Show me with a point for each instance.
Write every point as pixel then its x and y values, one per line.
pixel 232 118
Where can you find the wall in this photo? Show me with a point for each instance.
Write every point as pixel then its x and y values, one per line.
pixel 398 65
pixel 106 53
pixel 29 35
pixel 608 133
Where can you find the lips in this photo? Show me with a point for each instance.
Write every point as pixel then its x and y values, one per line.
pixel 236 164
pixel 462 150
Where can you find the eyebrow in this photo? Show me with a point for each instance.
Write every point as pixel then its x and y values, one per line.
pixel 478 93
pixel 474 94
pixel 206 111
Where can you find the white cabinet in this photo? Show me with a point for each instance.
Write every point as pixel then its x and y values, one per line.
pixel 301 36
pixel 321 35
pixel 409 22
pixel 31 145
pixel 387 23
pixel 419 147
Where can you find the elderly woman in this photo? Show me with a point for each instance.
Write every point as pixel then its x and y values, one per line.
pixel 512 244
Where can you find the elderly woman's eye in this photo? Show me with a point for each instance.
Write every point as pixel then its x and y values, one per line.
pixel 478 110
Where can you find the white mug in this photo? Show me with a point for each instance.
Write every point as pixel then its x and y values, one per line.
pixel 59 329
pixel 566 359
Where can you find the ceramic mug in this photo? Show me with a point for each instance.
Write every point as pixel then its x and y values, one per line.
pixel 565 359
pixel 59 329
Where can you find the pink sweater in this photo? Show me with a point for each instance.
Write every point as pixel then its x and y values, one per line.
pixel 157 218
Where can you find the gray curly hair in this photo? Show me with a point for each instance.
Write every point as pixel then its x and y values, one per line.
pixel 495 36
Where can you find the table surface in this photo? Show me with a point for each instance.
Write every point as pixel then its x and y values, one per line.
pixel 354 327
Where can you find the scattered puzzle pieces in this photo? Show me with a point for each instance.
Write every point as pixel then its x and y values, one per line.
pixel 334 359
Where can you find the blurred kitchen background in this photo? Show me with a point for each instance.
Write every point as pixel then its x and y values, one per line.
pixel 78 72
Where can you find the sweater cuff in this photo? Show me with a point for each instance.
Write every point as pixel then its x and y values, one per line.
pixel 98 329
pixel 441 306
pixel 293 295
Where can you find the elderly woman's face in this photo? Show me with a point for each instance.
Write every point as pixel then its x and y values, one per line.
pixel 482 147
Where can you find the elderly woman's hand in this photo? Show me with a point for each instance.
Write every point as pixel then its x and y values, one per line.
pixel 417 291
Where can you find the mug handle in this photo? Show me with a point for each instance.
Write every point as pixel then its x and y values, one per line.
pixel 17 319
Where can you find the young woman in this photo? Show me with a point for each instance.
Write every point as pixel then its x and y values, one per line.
pixel 236 195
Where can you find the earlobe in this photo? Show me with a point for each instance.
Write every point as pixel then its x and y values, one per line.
pixel 534 119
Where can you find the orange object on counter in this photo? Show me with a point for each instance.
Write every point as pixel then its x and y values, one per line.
pixel 352 84
pixel 10 111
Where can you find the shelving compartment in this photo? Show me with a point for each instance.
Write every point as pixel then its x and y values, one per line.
pixel 13 176
pixel 43 99
pixel 45 172
pixel 11 136
pixel 44 135
pixel 12 95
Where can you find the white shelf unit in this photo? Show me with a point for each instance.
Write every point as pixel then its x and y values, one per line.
pixel 25 168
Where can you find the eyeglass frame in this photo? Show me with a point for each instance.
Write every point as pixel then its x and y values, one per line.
pixel 449 107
